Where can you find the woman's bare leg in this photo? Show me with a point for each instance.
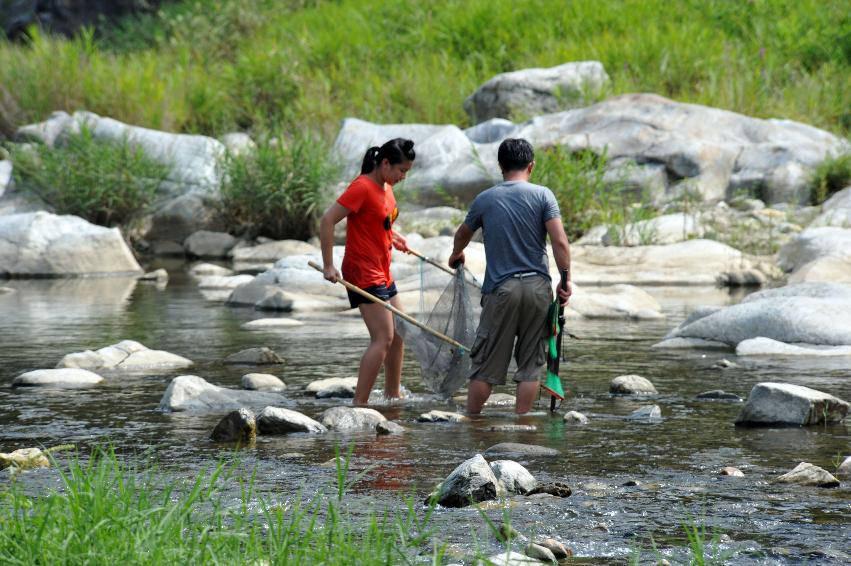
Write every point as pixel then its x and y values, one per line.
pixel 379 322
pixel 393 361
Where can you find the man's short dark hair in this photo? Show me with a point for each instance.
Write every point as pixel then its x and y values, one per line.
pixel 515 154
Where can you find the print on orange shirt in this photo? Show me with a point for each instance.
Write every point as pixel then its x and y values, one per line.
pixel 368 238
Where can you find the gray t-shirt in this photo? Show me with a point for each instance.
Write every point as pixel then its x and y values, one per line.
pixel 512 216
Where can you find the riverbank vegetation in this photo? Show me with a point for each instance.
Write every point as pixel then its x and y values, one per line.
pixel 211 66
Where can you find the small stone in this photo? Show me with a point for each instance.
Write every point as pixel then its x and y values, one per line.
pixel 540 553
pixel 272 323
pixel 389 427
pixel 575 417
pixel 278 420
pixel 65 377
pixel 501 400
pixel 631 385
pixel 631 483
pixel 442 417
pixel 340 387
pixel 602 527
pixel 558 489
pixel 206 269
pixel 24 459
pixel 560 552
pixel 257 356
pixel 158 276
pixel 262 382
pixel 237 426
pixel 809 474
pixel 731 471
pixel 718 395
pixel 724 364
pixel 647 413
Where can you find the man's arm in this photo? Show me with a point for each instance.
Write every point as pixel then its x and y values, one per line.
pixel 561 253
pixel 462 238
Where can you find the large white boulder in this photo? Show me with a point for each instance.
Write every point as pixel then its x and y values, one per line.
pixel 193 393
pixel 531 92
pixel 836 211
pixel 126 355
pixel 784 403
pixel 614 302
pixel 818 254
pixel 768 347
pixel 44 244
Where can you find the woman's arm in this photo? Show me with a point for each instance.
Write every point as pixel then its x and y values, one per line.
pixel 332 216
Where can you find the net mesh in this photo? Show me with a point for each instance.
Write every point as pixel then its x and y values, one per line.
pixel 445 368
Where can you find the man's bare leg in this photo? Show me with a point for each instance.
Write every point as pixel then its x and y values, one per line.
pixel 526 392
pixel 477 393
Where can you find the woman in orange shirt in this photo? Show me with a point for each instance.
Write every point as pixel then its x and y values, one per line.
pixel 370 207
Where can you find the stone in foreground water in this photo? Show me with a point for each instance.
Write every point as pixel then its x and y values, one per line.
pixel 236 426
pixel 784 403
pixel 809 474
pixel 277 420
pixel 632 385
pixel 471 482
pixel 515 478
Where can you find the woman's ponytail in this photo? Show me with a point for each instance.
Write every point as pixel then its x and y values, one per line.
pixel 370 160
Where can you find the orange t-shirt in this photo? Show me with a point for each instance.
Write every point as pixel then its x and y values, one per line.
pixel 368 241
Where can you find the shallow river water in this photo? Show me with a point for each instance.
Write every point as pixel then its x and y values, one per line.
pixel 674 462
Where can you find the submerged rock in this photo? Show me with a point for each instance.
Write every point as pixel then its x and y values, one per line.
pixel 555 488
pixel 193 393
pixel 472 481
pixel 718 395
pixel 515 478
pixel 389 427
pixel 575 417
pixel 126 355
pixel 513 428
pixel 24 459
pixel 262 382
pixel 156 276
pixel 205 269
pixel 808 474
pixel 784 403
pixel 647 413
pixel 511 558
pixel 237 426
pixel 558 549
pixel 272 323
pixel 442 417
pixel 517 449
pixel 68 377
pixel 632 385
pixel 277 420
pixel 207 244
pixel 731 471
pixel 539 552
pixel 255 356
pixel 342 387
pixel 351 418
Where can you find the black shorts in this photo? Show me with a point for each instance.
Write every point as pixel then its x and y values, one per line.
pixel 382 291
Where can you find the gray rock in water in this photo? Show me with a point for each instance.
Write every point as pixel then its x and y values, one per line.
pixel 647 413
pixel 69 377
pixel 515 478
pixel 540 553
pixel 442 417
pixel 277 420
pixel 351 418
pixel 787 404
pixel 531 92
pixel 472 481
pixel 560 552
pixel 207 244
pixel 724 364
pixel 207 269
pixel 389 427
pixel 193 393
pixel 342 387
pixel 556 489
pixel 844 470
pixel 24 459
pixel 632 385
pixel 167 248
pixel 237 426
pixel 808 474
pixel 127 355
pixel 575 417
pixel 157 276
pixel 256 356
pixel 262 382
pixel 517 449
pixel 731 471
pixel 44 244
pixel 510 558
pixel 718 395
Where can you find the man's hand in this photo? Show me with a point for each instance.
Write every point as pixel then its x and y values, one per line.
pixel 399 241
pixel 331 274
pixel 564 294
pixel 456 258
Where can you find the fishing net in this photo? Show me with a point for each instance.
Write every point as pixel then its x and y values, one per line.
pixel 445 368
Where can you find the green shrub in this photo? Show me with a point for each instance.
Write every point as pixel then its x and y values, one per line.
pixel 106 183
pixel 278 191
pixel 833 174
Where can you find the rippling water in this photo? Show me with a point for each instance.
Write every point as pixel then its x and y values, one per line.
pixel 673 462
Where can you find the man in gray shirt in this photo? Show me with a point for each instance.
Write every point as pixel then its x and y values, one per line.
pixel 515 217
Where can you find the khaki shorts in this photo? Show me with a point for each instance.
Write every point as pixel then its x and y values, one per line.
pixel 516 309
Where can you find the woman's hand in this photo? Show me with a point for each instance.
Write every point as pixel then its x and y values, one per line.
pixel 331 274
pixel 399 241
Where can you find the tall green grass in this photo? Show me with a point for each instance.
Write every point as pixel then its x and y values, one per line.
pixel 279 189
pixel 106 183
pixel 214 65
pixel 107 512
